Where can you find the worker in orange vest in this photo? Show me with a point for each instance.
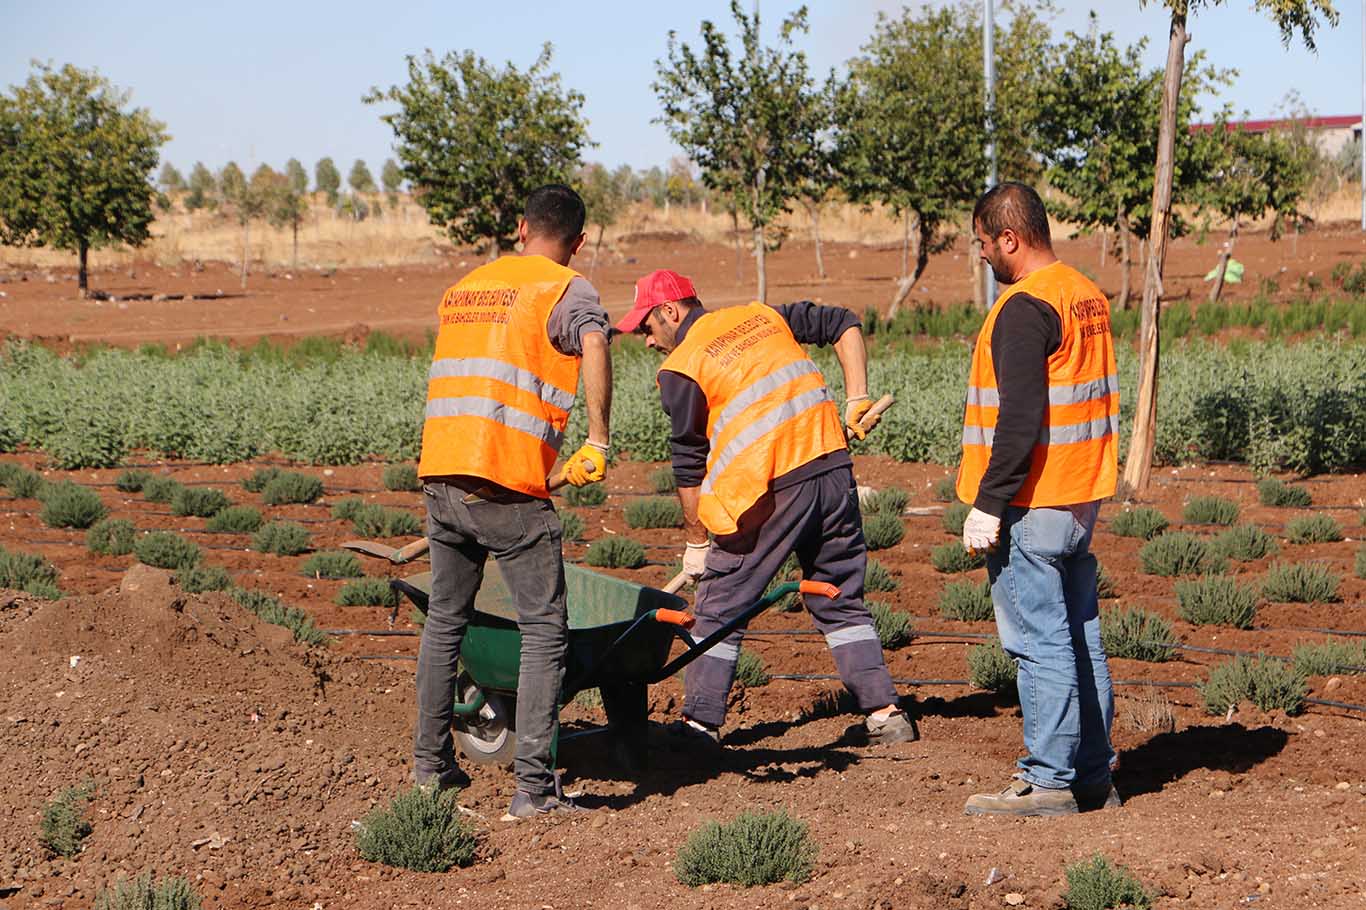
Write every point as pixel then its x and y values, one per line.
pixel 759 453
pixel 1040 446
pixel 511 338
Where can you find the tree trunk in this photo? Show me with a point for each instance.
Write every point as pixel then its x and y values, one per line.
pixel 295 266
pixel 735 235
pixel 1224 257
pixel 246 237
pixel 915 243
pixel 493 249
pixel 82 272
pixel 1126 256
pixel 592 266
pixel 1138 465
pixel 815 211
pixel 979 290
pixel 905 243
pixel 1104 244
pixel 760 249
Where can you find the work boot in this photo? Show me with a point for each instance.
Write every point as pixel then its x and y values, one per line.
pixel 450 779
pixel 1022 798
pixel 898 727
pixel 694 732
pixel 525 805
pixel 1098 796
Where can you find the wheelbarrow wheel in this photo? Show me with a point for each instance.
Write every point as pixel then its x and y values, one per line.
pixel 490 736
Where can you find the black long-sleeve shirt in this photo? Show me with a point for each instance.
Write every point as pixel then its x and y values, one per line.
pixel 1027 332
pixel 686 406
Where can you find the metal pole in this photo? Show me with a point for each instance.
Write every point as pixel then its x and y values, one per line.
pixel 989 72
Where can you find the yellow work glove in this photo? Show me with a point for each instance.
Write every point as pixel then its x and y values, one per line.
pixel 854 409
pixel 587 465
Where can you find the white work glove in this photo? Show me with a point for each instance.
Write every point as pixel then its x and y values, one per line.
pixel 695 560
pixel 980 531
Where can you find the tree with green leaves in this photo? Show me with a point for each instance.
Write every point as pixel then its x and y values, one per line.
pixel 170 180
pixel 203 189
pixel 474 140
pixel 360 180
pixel 75 165
pixel 286 204
pixel 247 200
pixel 327 179
pixel 392 179
pixel 731 114
pixel 603 200
pixel 232 184
pixel 297 176
pixel 1291 17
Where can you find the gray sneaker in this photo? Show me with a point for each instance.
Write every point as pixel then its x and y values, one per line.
pixel 898 727
pixel 525 805
pixel 1022 798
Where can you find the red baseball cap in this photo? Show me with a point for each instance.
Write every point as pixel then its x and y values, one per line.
pixel 660 286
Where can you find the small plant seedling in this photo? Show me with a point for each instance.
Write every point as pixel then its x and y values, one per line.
pixel 892 501
pixel 1329 658
pixel 877 580
pixel 946 489
pixel 203 502
pixel 572 525
pixel 952 557
pixel 893 626
pixel 281 538
pixel 332 564
pixel 23 483
pixel 142 893
pixel 203 578
pixel 159 488
pixel 291 487
pixel 587 496
pixel 1318 528
pixel 882 530
pixel 1178 553
pixel 954 516
pixel 966 601
pixel 166 550
pixel 1272 492
pixel 656 512
pixel 70 505
pixel 1270 684
pixel 402 478
pixel 1216 601
pixel 1135 634
pixel 347 509
pixel 615 553
pixel 1300 583
pixel 421 829
pixel 662 480
pixel 64 827
pixel 111 537
pixel 750 670
pixel 131 481
pixel 1105 585
pixel 29 573
pixel 1142 523
pixel 1244 543
pixel 259 478
pixel 236 520
pixel 990 668
pixel 367 592
pixel 377 521
pixel 1210 510
pixel 1094 884
pixel 755 848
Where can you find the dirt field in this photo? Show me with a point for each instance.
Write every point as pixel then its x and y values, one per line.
pixel 225 752
pixel 401 300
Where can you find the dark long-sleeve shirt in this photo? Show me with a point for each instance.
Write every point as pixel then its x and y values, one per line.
pixel 1027 332
pixel 686 406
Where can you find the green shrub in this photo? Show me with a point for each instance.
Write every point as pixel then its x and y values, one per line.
pixel 788 571
pixel 236 520
pixel 402 478
pixel 615 553
pixel 1272 492
pixel 294 619
pixel 291 487
pixel 259 478
pixel 367 592
pixel 877 580
pixel 1270 684
pixel 952 557
pixel 990 668
pixel 63 827
pixel 205 578
pixel 253 600
pixel 593 494
pixel 656 512
pixel 882 530
pixel 1105 585
pixel 946 489
pixel 70 505
pixel 750 671
pixel 347 509
pixel 377 521
pixel 282 538
pixel 1300 583
pixel 966 601
pixel 332 564
pixel 755 848
pixel 204 502
pixel 589 699
pixel 1094 884
pixel 29 573
pixel 111 537
pixel 1143 523
pixel 572 525
pixel 160 488
pixel 892 501
pixel 662 480
pixel 1361 562
pixel 1329 658
pixel 131 481
pixel 1317 528
pixel 1210 510
pixel 170 893
pixel 893 626
pixel 1245 543
pixel 1216 601
pixel 166 550
pixel 1135 634
pixel 1178 553
pixel 25 484
pixel 954 516
pixel 422 830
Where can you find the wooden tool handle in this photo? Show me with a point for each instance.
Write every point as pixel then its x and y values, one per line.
pixel 676 583
pixel 879 406
pixel 410 552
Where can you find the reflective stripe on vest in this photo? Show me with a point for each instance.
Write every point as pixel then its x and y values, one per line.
pixel 491 409
pixel 497 370
pixel 766 424
pixel 1061 394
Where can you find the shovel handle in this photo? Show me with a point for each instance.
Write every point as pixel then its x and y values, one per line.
pixel 410 552
pixel 676 583
pixel 882 404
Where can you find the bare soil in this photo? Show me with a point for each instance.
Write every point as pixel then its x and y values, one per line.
pixel 223 751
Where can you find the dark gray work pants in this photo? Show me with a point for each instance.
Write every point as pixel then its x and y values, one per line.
pixel 819 520
pixel 524 535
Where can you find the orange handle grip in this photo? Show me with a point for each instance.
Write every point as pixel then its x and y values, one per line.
pixel 674 617
pixel 823 588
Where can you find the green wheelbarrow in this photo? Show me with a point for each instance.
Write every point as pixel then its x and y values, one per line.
pixel 620 637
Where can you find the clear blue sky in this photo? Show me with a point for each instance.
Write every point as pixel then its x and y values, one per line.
pixel 261 82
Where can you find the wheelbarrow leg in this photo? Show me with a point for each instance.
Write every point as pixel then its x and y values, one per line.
pixel 627 707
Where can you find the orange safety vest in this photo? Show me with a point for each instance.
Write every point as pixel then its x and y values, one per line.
pixel 1076 457
pixel 768 410
pixel 498 393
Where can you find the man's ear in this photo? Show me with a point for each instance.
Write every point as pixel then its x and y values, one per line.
pixel 521 230
pixel 1008 241
pixel 578 244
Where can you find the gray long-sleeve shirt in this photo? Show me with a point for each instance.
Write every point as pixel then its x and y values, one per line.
pixel 578 313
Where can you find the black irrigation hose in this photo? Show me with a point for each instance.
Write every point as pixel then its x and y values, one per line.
pixel 396 633
pixel 1176 646
pixel 1348 632
pixel 915 633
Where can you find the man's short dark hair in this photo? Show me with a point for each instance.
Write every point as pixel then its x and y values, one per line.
pixel 556 212
pixel 1015 207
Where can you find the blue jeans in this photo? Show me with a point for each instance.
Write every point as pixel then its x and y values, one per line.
pixel 1043 586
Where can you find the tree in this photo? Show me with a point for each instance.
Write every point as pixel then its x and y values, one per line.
pixel 912 127
pixel 360 179
pixel 247 200
pixel 1291 16
pixel 203 189
pixel 392 179
pixel 327 179
pixel 170 180
pixel 75 165
pixel 286 203
pixel 1097 135
pixel 297 176
pixel 474 140
pixel 603 198
pixel 731 115
pixel 232 184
